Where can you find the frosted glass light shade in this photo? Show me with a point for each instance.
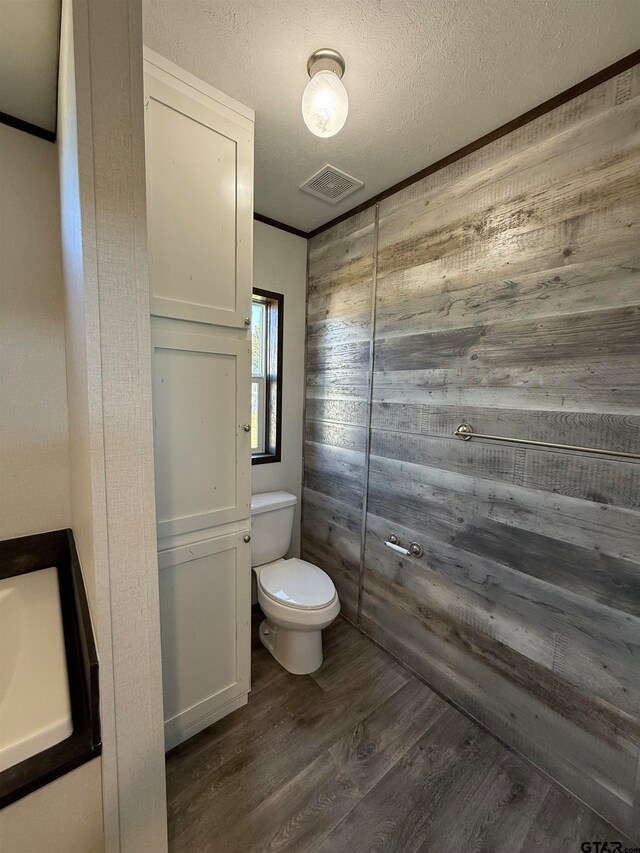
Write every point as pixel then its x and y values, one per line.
pixel 325 104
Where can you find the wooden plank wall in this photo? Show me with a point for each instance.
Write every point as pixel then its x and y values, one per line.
pixel 339 312
pixel 507 295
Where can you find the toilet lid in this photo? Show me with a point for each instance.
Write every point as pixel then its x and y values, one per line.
pixel 296 583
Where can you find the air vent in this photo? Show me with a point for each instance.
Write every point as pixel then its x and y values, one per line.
pixel 331 184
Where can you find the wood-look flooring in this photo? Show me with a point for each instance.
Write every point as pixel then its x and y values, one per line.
pixel 360 756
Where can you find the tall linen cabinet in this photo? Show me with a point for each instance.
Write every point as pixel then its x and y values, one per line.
pixel 199 160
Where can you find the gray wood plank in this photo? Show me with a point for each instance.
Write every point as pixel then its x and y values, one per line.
pixel 335 471
pixel 609 333
pixel 397 813
pixel 594 770
pixel 417 300
pixel 601 528
pixel 295 816
pixel 591 429
pixel 608 579
pixel 380 740
pixel 300 726
pixel 337 435
pixel 580 238
pixel 614 735
pixel 612 386
pixel 595 649
pixel 497 815
pixel 336 410
pixel 604 481
pixel 562 824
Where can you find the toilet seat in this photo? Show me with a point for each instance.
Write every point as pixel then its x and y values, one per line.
pixel 296 584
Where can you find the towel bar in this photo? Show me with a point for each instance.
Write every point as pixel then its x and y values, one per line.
pixel 465 432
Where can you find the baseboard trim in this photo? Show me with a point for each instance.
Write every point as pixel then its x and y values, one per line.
pixel 174 735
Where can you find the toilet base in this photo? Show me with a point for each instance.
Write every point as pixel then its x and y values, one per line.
pixel 299 652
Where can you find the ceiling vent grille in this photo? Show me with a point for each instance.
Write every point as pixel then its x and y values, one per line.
pixel 331 184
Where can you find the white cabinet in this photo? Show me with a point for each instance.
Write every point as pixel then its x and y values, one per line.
pixel 201 387
pixel 199 156
pixel 199 160
pixel 205 632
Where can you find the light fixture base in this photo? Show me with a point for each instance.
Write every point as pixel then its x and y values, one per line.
pixel 326 59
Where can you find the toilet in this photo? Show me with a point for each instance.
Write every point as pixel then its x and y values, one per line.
pixel 297 598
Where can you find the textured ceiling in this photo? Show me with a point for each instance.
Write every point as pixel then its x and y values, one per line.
pixel 424 77
pixel 29 37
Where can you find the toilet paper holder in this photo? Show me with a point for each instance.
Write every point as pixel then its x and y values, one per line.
pixel 414 549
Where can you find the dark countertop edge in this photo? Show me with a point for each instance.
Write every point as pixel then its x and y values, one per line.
pixel 44 767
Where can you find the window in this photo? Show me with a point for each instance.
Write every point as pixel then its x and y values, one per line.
pixel 267 323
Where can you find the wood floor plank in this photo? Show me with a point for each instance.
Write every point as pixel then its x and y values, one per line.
pixel 266 672
pixel 284 739
pixel 221 741
pixel 296 816
pixel 347 653
pixel 397 813
pixel 494 815
pixel 301 813
pixel 380 740
pixel 197 766
pixel 563 824
pixel 535 729
pixel 360 756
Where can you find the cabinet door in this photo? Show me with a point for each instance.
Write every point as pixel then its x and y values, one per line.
pixel 205 613
pixel 201 412
pixel 199 206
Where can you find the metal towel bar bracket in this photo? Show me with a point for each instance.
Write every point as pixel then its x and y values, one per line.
pixel 465 432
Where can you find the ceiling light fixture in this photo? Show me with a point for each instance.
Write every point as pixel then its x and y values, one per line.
pixel 325 102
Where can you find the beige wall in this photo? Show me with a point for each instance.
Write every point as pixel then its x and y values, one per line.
pixel 63 817
pixel 34 453
pixel 280 265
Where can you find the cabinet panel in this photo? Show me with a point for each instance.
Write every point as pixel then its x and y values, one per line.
pixel 201 406
pixel 205 606
pixel 199 198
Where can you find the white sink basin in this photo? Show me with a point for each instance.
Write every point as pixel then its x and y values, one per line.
pixel 35 709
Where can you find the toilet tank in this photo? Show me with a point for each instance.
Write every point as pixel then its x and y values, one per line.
pixel 271 526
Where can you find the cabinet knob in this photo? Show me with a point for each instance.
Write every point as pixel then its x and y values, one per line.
pixel 247 427
pixel 247 321
pixel 246 538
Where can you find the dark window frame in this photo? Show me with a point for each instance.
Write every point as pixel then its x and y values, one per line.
pixel 274 303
